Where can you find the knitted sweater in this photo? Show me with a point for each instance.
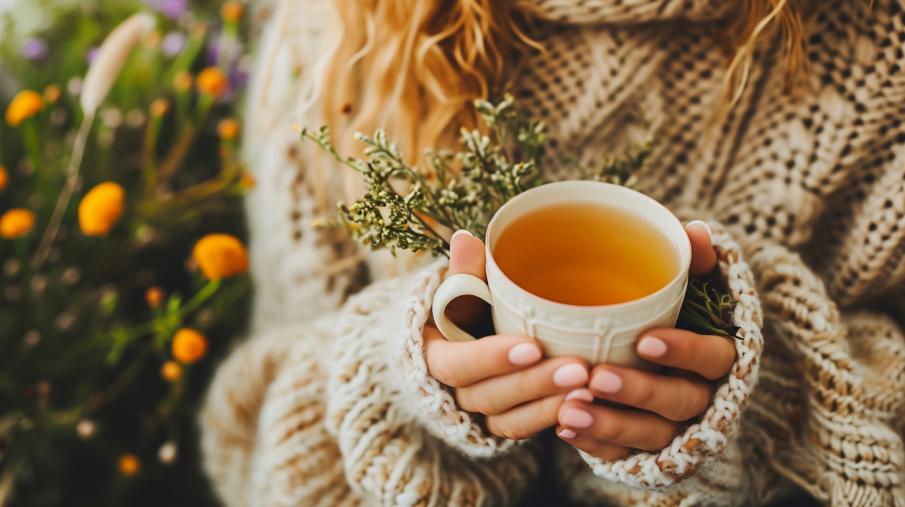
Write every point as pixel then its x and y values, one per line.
pixel 329 402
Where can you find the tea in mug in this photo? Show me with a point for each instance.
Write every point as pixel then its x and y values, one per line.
pixel 585 254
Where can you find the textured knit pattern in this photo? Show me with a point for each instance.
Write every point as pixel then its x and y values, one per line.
pixel 808 179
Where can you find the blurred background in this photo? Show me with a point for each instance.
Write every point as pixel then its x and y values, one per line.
pixel 122 260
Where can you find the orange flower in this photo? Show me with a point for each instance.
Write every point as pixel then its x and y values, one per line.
pixel 182 82
pixel 101 208
pixel 154 296
pixel 159 107
pixel 129 465
pixel 171 371
pixel 24 105
pixel 4 178
pixel 220 256
pixel 16 223
pixel 189 346
pixel 212 81
pixel 52 93
pixel 231 12
pixel 228 129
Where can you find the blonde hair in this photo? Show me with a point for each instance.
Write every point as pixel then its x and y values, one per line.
pixel 414 67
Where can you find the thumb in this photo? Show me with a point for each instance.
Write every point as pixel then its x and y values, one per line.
pixel 466 255
pixel 703 258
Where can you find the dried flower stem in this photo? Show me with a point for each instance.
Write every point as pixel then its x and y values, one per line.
pixel 72 178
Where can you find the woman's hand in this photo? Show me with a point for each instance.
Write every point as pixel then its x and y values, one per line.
pixel 644 410
pixel 503 377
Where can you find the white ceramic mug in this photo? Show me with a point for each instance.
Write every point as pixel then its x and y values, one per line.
pixel 600 334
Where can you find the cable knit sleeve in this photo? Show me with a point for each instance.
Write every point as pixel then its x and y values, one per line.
pixel 392 325
pixel 833 381
pixel 402 437
pixel 707 438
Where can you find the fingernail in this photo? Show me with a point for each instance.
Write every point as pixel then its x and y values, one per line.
pixel 606 381
pixel 702 225
pixel 524 354
pixel 580 394
pixel 652 347
pixel 570 375
pixel 567 433
pixel 576 418
pixel 460 232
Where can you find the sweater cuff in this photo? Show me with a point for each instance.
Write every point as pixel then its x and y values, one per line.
pixel 432 404
pixel 709 436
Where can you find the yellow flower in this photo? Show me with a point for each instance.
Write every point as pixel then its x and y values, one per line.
pixel 159 107
pixel 154 296
pixel 25 104
pixel 52 93
pixel 231 12
pixel 16 223
pixel 189 346
pixel 212 81
pixel 171 371
pixel 101 208
pixel 220 256
pixel 182 82
pixel 228 129
pixel 4 178
pixel 129 465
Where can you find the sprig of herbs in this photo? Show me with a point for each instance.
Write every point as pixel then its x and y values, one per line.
pixel 707 310
pixel 412 209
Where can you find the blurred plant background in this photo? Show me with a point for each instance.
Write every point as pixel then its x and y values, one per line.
pixel 110 323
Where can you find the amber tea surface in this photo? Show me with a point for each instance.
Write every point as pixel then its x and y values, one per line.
pixel 585 254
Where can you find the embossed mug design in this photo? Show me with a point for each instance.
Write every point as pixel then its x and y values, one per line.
pixel 597 333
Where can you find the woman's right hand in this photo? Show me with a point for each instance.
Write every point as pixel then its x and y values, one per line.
pixel 503 377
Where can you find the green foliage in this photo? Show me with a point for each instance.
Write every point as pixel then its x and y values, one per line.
pixel 707 309
pixel 461 190
pixel 80 347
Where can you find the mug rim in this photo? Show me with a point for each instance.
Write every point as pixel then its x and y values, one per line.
pixel 684 246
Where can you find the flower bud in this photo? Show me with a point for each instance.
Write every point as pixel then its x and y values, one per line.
pixel 101 208
pixel 24 105
pixel 220 256
pixel 189 346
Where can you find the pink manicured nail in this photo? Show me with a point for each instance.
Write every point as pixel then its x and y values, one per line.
pixel 701 225
pixel 524 354
pixel 460 232
pixel 652 347
pixel 576 418
pixel 580 394
pixel 570 375
pixel 567 433
pixel 606 381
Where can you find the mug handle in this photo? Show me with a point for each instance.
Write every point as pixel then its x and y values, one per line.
pixel 456 286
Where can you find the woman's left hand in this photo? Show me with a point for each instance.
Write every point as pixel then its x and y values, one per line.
pixel 646 410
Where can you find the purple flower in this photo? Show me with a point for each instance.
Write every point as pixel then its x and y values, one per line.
pixel 34 49
pixel 170 8
pixel 91 55
pixel 173 43
pixel 213 47
pixel 238 78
